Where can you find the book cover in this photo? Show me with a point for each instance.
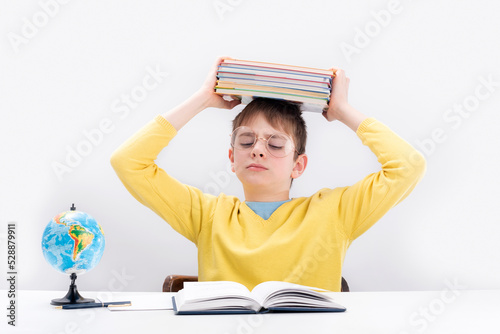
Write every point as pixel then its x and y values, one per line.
pixel 280 66
pixel 271 69
pixel 276 95
pixel 271 83
pixel 298 92
pixel 246 76
pixel 275 73
pixel 304 106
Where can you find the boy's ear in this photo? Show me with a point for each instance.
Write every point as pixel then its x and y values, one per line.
pixel 300 166
pixel 231 158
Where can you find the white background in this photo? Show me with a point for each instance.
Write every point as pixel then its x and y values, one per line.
pixel 63 78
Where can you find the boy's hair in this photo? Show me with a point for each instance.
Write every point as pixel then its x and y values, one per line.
pixel 280 114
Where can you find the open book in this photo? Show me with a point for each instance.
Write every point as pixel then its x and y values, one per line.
pixel 231 297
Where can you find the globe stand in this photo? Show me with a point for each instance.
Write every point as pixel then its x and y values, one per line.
pixel 72 297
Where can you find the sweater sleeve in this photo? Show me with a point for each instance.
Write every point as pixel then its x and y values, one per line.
pixel 364 203
pixel 183 207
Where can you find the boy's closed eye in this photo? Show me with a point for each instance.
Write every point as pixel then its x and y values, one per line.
pixel 276 142
pixel 245 139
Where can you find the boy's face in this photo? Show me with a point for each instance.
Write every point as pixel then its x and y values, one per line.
pixel 257 167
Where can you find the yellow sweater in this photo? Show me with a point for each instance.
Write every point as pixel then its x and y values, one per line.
pixel 304 241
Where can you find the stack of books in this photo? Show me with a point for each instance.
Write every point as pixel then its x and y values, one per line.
pixel 244 80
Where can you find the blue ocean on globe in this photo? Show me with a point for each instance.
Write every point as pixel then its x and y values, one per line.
pixel 73 242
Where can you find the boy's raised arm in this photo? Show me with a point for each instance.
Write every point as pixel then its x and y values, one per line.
pixel 364 203
pixel 184 207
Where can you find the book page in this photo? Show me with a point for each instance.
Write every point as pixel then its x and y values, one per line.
pixel 195 291
pixel 215 296
pixel 265 289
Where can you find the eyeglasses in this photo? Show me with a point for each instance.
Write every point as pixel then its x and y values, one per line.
pixel 278 144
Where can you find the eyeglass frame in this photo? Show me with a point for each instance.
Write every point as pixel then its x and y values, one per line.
pixel 265 140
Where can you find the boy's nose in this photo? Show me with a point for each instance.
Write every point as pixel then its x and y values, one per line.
pixel 259 149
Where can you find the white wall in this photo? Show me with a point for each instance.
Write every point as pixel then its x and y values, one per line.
pixel 69 75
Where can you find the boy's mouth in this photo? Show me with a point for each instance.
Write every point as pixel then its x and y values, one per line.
pixel 256 167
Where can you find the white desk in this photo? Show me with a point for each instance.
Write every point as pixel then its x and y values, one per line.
pixel 367 312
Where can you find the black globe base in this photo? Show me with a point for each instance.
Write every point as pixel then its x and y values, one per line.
pixel 72 297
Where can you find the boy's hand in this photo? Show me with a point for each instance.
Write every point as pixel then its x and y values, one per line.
pixel 338 108
pixel 338 97
pixel 207 92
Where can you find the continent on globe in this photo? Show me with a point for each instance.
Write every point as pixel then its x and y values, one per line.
pixel 57 218
pixel 82 238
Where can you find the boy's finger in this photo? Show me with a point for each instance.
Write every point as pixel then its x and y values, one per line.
pixel 340 72
pixel 218 61
pixel 222 58
pixel 334 70
pixel 231 104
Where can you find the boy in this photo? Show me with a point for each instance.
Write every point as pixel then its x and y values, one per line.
pixel 269 236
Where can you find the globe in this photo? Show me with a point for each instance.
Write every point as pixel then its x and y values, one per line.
pixel 73 242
